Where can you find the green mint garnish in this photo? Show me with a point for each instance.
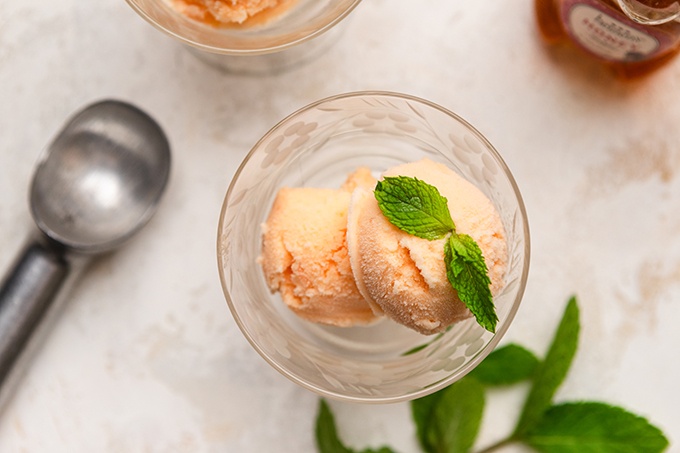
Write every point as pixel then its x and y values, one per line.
pixel 593 426
pixel 415 207
pixel 553 369
pixel 419 209
pixel 456 418
pixel 449 420
pixel 467 273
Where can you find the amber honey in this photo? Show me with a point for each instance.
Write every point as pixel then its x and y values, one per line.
pixel 601 29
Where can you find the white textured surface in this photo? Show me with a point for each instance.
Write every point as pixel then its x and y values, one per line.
pixel 146 357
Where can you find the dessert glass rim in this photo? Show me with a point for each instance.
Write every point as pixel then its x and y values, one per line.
pixel 502 327
pixel 255 50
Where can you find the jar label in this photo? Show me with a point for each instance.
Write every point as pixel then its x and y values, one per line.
pixel 609 34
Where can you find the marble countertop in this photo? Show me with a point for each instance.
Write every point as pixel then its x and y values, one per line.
pixel 145 356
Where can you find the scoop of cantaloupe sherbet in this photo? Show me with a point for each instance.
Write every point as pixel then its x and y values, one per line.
pixel 404 276
pixel 304 254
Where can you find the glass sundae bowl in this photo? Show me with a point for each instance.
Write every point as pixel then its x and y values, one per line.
pixel 304 30
pixel 318 146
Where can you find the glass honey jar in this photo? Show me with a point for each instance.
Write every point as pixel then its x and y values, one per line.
pixel 631 37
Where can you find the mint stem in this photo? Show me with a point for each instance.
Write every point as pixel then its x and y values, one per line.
pixel 500 444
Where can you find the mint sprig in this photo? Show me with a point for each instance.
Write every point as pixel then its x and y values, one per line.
pixel 418 208
pixel 449 420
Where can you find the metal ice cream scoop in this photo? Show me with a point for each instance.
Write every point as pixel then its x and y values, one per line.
pixel 97 183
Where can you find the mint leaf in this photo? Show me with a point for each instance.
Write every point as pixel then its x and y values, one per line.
pixel 455 418
pixel 327 439
pixel 467 273
pixel 421 411
pixel 507 365
pixel 449 418
pixel 594 427
pixel 414 206
pixel 552 370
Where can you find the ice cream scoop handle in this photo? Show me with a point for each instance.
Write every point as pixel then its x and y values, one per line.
pixel 26 294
